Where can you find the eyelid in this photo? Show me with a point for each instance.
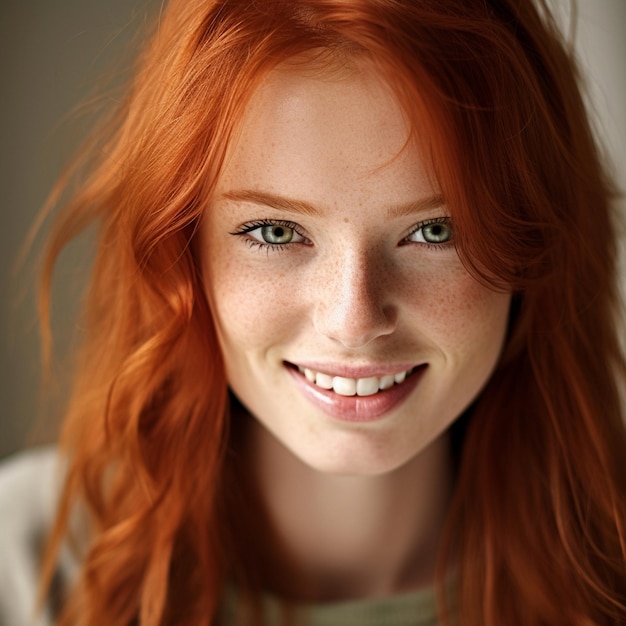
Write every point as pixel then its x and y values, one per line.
pixel 249 227
pixel 253 225
pixel 444 219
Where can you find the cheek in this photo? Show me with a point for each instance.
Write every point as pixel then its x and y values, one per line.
pixel 250 307
pixel 460 314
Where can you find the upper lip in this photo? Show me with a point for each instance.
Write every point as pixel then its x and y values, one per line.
pixel 355 371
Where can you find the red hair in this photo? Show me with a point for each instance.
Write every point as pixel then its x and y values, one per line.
pixel 537 525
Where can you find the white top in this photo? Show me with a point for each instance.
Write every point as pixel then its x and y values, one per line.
pixel 29 487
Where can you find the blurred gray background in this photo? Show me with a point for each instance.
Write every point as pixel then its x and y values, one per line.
pixel 52 54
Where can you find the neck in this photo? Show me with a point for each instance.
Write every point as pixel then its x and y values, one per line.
pixel 354 536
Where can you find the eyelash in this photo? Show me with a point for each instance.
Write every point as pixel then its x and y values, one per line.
pixel 248 227
pixel 432 246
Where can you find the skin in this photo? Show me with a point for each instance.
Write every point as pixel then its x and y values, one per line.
pixel 359 505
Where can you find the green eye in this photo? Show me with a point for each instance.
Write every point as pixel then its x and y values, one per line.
pixel 435 232
pixel 268 233
pixel 277 234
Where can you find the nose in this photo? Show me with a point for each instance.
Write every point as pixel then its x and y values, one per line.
pixel 353 300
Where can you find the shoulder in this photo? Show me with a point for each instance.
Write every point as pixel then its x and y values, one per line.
pixel 29 488
pixel 25 478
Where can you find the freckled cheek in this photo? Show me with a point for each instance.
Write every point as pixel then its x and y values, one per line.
pixel 252 308
pixel 456 309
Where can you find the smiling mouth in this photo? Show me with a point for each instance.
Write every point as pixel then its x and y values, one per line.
pixel 344 386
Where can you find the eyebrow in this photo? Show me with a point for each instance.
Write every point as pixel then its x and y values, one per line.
pixel 419 206
pixel 272 200
pixel 301 206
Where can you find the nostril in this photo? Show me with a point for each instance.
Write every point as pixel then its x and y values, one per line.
pixel 354 325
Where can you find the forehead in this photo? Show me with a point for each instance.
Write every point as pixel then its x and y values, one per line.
pixel 307 129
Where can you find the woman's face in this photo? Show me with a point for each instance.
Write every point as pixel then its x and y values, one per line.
pixel 349 327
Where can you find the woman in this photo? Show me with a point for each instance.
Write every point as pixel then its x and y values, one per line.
pixel 351 344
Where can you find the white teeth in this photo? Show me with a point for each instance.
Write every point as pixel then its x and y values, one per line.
pixel 324 381
pixel 399 378
pixel 353 386
pixel 367 386
pixel 344 386
pixel 386 382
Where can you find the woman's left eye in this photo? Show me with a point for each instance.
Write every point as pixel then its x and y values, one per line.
pixel 275 234
pixel 433 232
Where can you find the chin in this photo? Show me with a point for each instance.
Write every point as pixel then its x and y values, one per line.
pixel 359 457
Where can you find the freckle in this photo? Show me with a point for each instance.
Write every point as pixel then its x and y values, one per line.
pixel 346 220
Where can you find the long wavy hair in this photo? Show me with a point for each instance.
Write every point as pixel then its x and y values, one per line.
pixel 537 526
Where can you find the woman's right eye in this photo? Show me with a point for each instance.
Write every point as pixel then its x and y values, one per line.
pixel 271 233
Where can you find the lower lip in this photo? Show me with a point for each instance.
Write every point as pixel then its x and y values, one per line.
pixel 357 408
